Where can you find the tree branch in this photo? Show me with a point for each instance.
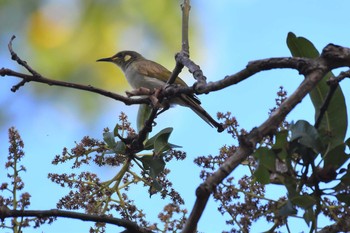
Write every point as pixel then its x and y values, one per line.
pixel 185 48
pixel 36 77
pixel 325 104
pixel 312 76
pixel 131 226
pixel 186 6
pixel 333 82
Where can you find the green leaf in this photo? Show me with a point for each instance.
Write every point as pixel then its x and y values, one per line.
pixel 281 144
pixel 266 164
pixel 281 140
pixel 336 157
pixel 334 123
pixel 309 216
pixel 120 148
pixel 143 115
pixel 287 209
pixel 266 158
pixel 291 186
pixel 301 47
pixel 304 201
pixel 153 164
pixel 262 175
pixel 159 142
pixel 154 188
pixel 343 197
pixel 149 144
pixel 116 147
pixel 306 135
pixel 108 137
pixel 116 130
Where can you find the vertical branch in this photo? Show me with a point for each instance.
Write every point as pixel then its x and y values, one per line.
pixel 185 48
pixel 185 19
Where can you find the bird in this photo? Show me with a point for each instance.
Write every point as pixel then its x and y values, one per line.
pixel 141 72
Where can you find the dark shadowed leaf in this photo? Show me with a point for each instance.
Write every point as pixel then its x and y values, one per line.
pixel 306 135
pixel 304 201
pixel 142 115
pixel 153 164
pixel 116 130
pixel 116 147
pixel 159 142
pixel 266 164
pixel 281 140
pixel 344 198
pixel 154 188
pixel 287 209
pixel 262 175
pixel 266 158
pixel 108 137
pixel 281 144
pixel 309 216
pixel 150 142
pixel 336 157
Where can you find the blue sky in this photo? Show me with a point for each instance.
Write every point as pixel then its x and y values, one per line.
pixel 234 33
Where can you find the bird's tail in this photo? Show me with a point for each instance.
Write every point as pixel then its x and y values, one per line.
pixel 194 104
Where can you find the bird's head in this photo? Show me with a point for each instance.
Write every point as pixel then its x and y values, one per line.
pixel 123 58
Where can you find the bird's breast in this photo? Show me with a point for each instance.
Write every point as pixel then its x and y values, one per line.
pixel 137 80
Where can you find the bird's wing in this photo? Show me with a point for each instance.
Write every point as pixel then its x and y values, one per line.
pixel 153 69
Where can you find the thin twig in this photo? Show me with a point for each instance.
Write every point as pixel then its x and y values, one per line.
pixel 333 87
pixel 15 57
pixel 36 77
pixel 333 82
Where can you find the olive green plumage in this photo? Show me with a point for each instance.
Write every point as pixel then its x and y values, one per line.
pixel 141 72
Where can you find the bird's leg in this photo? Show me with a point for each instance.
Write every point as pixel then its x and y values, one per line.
pixel 158 101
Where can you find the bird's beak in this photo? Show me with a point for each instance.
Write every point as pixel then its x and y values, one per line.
pixel 108 59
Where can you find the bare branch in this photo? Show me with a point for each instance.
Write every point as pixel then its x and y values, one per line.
pixel 185 51
pixel 51 82
pixel 303 65
pixel 36 77
pixel 15 57
pixel 340 77
pixel 185 22
pixel 324 107
pixel 131 226
pixel 177 70
pixel 194 69
pixel 333 82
